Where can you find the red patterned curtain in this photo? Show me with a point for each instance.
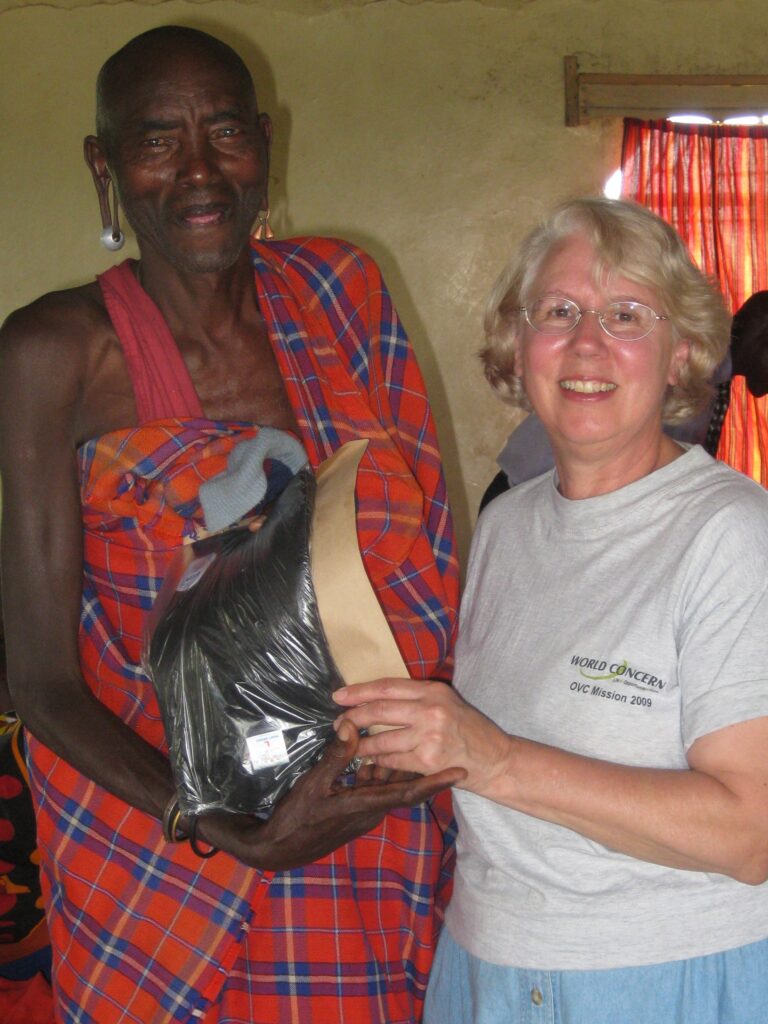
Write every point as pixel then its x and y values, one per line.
pixel 711 183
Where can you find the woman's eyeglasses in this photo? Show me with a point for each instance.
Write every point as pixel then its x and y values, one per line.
pixel 624 321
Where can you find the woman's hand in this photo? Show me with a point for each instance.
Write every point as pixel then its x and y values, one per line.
pixel 431 729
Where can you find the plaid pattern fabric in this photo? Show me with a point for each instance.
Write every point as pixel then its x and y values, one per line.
pixel 744 436
pixel 144 931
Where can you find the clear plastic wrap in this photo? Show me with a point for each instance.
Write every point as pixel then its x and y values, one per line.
pixel 240 662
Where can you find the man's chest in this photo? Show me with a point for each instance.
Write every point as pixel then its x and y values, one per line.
pixel 233 378
pixel 239 378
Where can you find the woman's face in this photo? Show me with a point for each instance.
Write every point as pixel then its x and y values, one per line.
pixel 594 394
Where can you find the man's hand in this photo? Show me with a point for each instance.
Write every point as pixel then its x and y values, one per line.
pixel 320 814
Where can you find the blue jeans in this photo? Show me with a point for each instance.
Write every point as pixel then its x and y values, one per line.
pixel 723 988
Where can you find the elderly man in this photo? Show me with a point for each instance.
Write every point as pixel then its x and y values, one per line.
pixel 117 398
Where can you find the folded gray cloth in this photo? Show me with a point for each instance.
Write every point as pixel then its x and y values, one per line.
pixel 226 498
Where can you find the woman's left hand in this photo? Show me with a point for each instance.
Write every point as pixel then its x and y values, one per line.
pixel 430 728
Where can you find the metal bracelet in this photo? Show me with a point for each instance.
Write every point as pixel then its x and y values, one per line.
pixel 193 842
pixel 172 815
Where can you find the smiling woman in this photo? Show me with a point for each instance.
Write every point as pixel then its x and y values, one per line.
pixel 629 240
pixel 598 396
pixel 643 354
pixel 610 701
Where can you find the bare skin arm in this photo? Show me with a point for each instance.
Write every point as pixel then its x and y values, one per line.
pixel 40 390
pixel 42 368
pixel 712 817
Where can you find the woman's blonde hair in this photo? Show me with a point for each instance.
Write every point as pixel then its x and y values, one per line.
pixel 631 241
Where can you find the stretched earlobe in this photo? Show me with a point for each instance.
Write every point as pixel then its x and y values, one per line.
pixel 112 238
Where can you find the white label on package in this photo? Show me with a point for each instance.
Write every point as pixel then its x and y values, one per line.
pixel 266 749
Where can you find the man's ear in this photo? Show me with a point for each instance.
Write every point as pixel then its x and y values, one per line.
pixel 95 157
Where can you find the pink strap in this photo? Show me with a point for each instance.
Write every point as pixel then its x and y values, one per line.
pixel 162 386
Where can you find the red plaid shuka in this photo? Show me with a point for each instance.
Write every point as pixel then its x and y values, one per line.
pixel 144 931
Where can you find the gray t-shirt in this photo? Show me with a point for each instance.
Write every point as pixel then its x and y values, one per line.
pixel 621 627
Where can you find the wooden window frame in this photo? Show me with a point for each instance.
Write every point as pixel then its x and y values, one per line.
pixel 594 95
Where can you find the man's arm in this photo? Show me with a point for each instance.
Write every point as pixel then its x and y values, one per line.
pixel 42 369
pixel 402 542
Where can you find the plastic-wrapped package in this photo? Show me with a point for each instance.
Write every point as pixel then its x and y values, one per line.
pixel 240 662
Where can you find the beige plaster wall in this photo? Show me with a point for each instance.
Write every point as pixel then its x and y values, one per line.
pixel 430 132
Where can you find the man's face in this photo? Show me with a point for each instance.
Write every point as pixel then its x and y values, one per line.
pixel 190 161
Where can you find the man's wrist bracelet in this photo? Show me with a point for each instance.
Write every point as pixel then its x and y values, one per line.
pixel 194 843
pixel 172 816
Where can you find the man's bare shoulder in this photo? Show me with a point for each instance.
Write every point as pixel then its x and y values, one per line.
pixel 60 357
pixel 58 320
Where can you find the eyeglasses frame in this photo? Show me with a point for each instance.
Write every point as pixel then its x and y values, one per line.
pixel 599 313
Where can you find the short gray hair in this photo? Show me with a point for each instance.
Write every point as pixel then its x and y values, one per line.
pixel 635 243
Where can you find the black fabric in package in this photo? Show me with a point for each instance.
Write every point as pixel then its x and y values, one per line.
pixel 240 663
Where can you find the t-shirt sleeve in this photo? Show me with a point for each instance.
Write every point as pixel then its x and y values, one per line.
pixel 723 639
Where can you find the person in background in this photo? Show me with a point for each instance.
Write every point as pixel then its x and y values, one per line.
pixel 611 689
pixel 749 343
pixel 742 441
pixel 117 400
